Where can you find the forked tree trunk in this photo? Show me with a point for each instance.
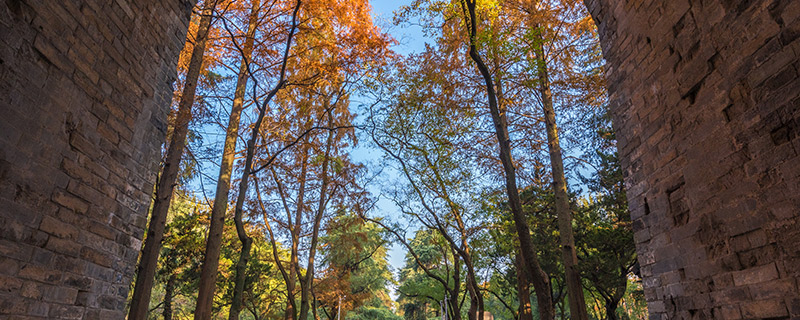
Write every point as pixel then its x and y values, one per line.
pixel 455 307
pixel 274 243
pixel 540 281
pixel 476 306
pixel 577 303
pixel 169 173
pixel 247 242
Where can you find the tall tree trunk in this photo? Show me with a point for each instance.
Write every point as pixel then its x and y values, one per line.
pixel 295 230
pixel 475 310
pixel 577 303
pixel 223 185
pixel 524 311
pixel 523 288
pixel 540 281
pixel 305 290
pixel 169 174
pixel 211 263
pixel 169 292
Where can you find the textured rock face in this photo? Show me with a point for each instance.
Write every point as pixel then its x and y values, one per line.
pixel 706 102
pixel 85 90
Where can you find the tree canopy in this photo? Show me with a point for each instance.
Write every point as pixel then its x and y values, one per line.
pixel 325 174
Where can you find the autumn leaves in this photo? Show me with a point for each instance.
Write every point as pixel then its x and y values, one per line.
pixel 294 63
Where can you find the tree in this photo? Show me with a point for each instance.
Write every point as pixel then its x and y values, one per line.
pixel 181 253
pixel 416 132
pixel 241 265
pixel 430 276
pixel 537 275
pixel 311 123
pixel 226 167
pixel 355 271
pixel 605 234
pixel 307 243
pixel 563 210
pixel 538 205
pixel 169 171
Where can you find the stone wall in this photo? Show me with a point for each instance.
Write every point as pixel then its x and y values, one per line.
pixel 706 103
pixel 85 87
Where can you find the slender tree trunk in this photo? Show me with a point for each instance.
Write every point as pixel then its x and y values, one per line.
pixel 523 288
pixel 230 141
pixel 286 276
pixel 314 306
pixel 577 303
pixel 169 292
pixel 474 312
pixel 476 307
pixel 295 230
pixel 169 174
pixel 452 306
pixel 540 281
pixel 305 293
pixel 455 307
pixel 294 264
pixel 523 280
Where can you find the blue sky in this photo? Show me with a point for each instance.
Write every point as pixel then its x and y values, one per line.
pixel 410 39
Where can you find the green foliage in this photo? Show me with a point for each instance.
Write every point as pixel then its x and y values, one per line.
pixel 264 287
pixel 419 293
pixel 604 238
pixel 181 255
pixel 434 126
pixel 356 273
pixel 372 313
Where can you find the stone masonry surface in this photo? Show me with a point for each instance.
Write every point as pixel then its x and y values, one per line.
pixel 84 91
pixel 706 102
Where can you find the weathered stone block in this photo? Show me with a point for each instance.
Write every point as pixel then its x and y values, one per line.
pixel 773 308
pixel 59 229
pixel 9 284
pixel 755 275
pixel 727 312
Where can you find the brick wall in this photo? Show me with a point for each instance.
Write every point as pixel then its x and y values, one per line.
pixel 706 102
pixel 85 87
